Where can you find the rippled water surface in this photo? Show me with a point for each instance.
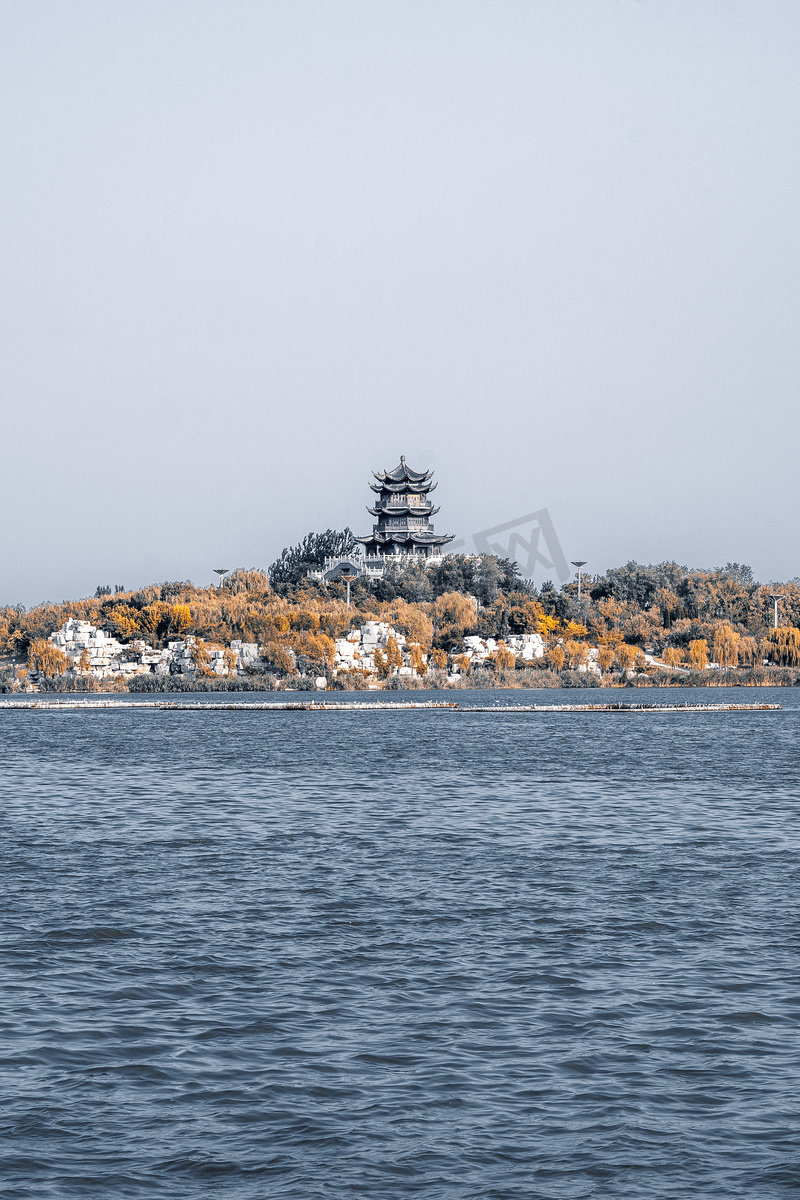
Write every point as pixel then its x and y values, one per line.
pixel 398 954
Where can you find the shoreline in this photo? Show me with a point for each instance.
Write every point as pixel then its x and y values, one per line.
pixel 762 677
pixel 374 706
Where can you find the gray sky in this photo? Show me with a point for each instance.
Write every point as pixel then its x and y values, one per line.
pixel 252 251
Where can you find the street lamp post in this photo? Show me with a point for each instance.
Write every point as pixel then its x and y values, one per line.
pixel 222 572
pixel 775 597
pixel 580 562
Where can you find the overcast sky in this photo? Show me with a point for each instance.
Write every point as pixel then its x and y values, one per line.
pixel 253 251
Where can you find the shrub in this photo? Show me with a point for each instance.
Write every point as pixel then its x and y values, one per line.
pixel 579 679
pixel 185 683
pixel 72 682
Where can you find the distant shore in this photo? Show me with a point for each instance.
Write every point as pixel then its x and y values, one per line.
pixel 533 680
pixel 463 622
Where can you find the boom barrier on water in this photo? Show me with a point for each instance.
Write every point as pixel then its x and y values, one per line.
pixel 374 706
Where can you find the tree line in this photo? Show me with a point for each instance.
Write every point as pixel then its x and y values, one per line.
pixel 685 617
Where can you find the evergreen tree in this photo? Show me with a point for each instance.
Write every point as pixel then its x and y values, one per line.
pixel 309 555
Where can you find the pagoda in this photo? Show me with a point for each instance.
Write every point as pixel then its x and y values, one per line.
pixel 404 509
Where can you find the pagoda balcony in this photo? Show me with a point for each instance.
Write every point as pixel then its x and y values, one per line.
pixel 399 510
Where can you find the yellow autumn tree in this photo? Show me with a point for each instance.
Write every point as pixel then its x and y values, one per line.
pixel 612 613
pixel 154 620
pixel 782 646
pixel 577 655
pixel 243 580
pixel 672 656
pixel 410 620
pixel 279 623
pixel 277 658
pixel 524 617
pixel 320 649
pixel 503 658
pixel 438 659
pixel 725 645
pixel 200 657
pixel 44 656
pixel 382 664
pixel 305 619
pixel 605 658
pixel 455 610
pixel 626 656
pixel 180 619
pixel 547 625
pixel 556 657
pixel 668 604
pixel 123 622
pixel 416 657
pixel 698 654
pixel 748 651
pixel 393 652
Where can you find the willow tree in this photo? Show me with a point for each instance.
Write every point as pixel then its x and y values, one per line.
pixel 573 651
pixel 748 651
pixel 410 620
pixel 277 658
pixel 45 657
pixel 200 657
pixel 243 580
pixel 416 657
pixel 725 645
pixel 698 654
pixel 452 610
pixel 782 646
pixel 159 619
pixel 605 657
pixel 504 658
pixel 556 657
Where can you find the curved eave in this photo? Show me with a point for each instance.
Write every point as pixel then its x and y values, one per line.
pixel 418 539
pixel 402 473
pixel 414 476
pixel 403 510
pixel 416 489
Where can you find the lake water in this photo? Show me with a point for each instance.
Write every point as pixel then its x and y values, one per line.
pixel 387 955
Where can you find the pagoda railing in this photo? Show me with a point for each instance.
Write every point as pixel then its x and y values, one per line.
pixel 370 564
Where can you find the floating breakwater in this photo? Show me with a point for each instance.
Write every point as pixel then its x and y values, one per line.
pixel 379 706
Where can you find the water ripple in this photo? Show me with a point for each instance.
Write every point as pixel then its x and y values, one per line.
pixel 385 955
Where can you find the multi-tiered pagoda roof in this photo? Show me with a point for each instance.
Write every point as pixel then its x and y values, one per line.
pixel 404 509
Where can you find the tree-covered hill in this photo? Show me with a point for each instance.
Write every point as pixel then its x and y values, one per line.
pixel 685 617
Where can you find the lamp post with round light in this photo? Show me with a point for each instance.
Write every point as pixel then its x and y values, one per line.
pixel 580 562
pixel 775 597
